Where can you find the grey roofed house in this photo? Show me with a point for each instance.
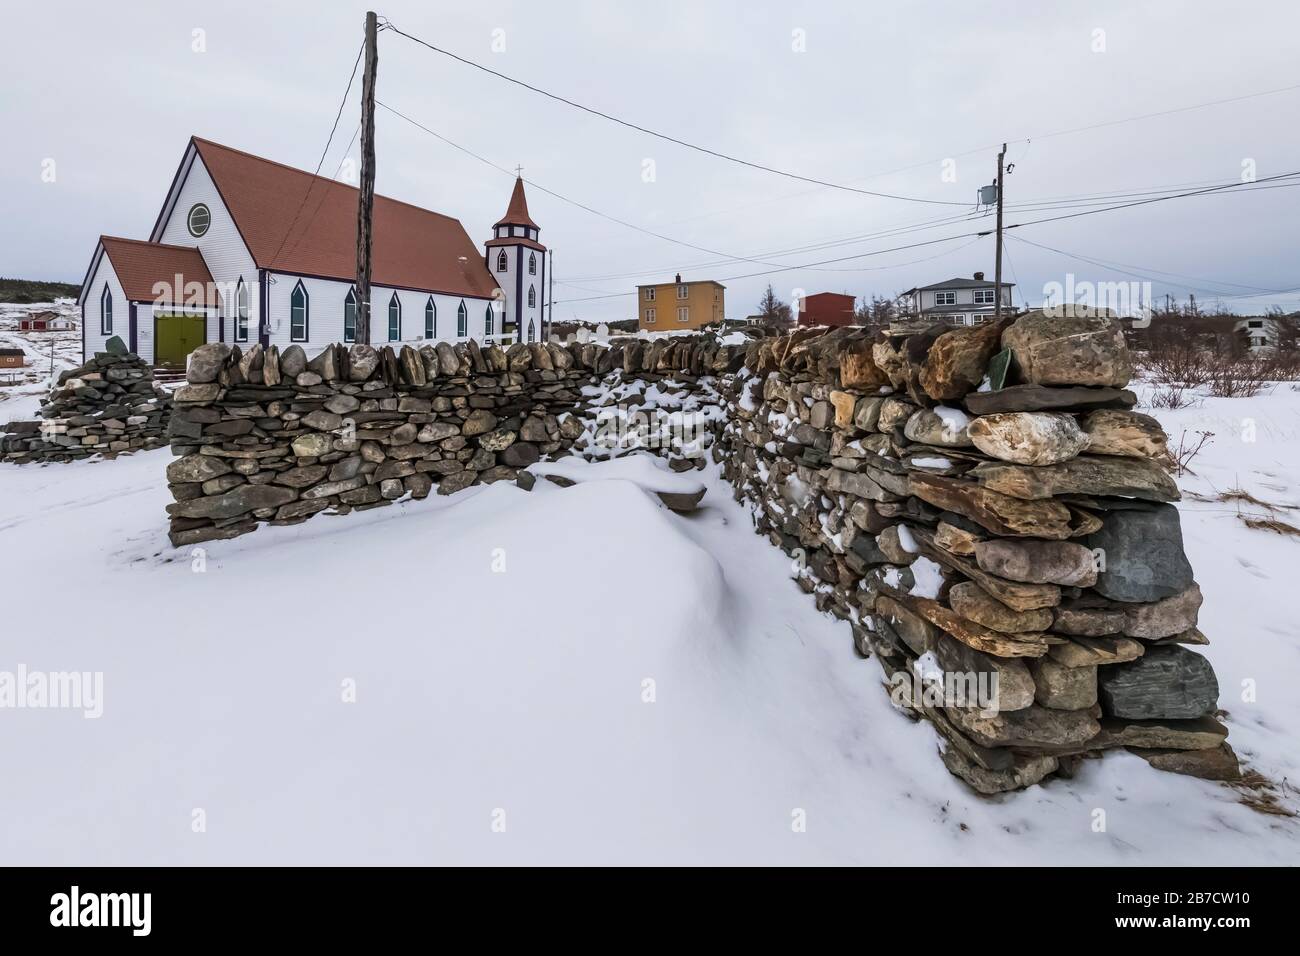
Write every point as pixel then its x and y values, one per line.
pixel 957 301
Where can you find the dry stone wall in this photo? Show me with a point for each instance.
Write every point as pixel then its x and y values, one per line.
pixel 109 406
pixel 982 505
pixel 1009 555
pixel 264 436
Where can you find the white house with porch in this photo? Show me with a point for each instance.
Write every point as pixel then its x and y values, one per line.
pixel 248 250
pixel 957 301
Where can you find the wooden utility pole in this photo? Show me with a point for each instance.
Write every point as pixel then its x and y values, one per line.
pixel 550 305
pixel 366 194
pixel 997 266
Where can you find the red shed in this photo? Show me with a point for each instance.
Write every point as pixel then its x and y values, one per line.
pixel 827 308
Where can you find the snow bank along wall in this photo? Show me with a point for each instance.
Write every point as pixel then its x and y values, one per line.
pixel 108 406
pixel 264 436
pixel 1008 555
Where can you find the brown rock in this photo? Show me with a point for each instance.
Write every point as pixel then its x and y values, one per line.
pixel 892 363
pixel 1128 434
pixel 943 430
pixel 1025 771
pixel 1000 513
pixel 1038 562
pixel 1217 764
pixel 1202 733
pixel 1063 688
pixel 1008 680
pixel 1082 348
pixel 1028 438
pixel 914 630
pixel 844 404
pixel 956 540
pixel 975 604
pixel 1030 728
pixel 1086 621
pixel 957 360
pixel 1090 651
pixel 1164 618
pixel 1015 595
pixel 1085 475
pixel 969 633
pixel 858 369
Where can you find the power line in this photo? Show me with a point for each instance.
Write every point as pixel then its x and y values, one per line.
pixel 726 257
pixel 863 255
pixel 664 136
pixel 1126 268
pixel 1032 222
pixel 892 265
pixel 1145 202
pixel 572 202
pixel 316 175
pixel 306 230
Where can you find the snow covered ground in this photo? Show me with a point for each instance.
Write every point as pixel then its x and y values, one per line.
pixel 571 675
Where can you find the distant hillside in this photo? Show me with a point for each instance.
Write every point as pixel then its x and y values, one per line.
pixel 26 291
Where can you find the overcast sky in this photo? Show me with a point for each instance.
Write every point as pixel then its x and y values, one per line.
pixel 876 95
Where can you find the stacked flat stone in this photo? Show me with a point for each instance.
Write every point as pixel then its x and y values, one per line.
pixel 264 436
pixel 1023 531
pixel 108 407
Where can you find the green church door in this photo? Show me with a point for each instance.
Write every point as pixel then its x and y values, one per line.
pixel 176 338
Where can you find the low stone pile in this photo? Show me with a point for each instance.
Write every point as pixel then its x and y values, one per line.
pixel 109 406
pixel 265 436
pixel 993 518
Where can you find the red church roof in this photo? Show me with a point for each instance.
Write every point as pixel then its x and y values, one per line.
pixel 148 272
pixel 293 221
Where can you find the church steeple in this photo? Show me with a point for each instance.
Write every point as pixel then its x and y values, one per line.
pixel 517 211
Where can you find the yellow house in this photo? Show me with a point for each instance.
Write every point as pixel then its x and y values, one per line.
pixel 679 305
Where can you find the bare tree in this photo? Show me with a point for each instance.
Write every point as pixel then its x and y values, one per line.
pixel 772 312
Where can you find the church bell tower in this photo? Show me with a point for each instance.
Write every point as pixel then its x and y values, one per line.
pixel 517 262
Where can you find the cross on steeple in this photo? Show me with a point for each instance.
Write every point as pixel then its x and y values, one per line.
pixel 519 172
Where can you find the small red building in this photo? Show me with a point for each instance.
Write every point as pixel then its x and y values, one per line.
pixel 827 308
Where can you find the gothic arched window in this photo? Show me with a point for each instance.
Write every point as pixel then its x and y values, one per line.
pixel 350 316
pixel 394 318
pixel 298 317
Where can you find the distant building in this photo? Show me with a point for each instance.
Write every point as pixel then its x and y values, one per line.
pixel 679 305
pixel 827 308
pixel 956 301
pixel 12 358
pixel 45 321
pixel 1260 332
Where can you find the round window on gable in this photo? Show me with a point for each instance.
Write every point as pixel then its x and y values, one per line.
pixel 199 219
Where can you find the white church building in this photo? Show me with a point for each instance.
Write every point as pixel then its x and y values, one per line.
pixel 247 250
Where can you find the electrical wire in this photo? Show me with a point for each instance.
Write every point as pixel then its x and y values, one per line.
pixel 316 175
pixel 664 136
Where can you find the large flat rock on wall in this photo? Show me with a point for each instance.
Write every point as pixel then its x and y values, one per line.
pixel 1026 523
